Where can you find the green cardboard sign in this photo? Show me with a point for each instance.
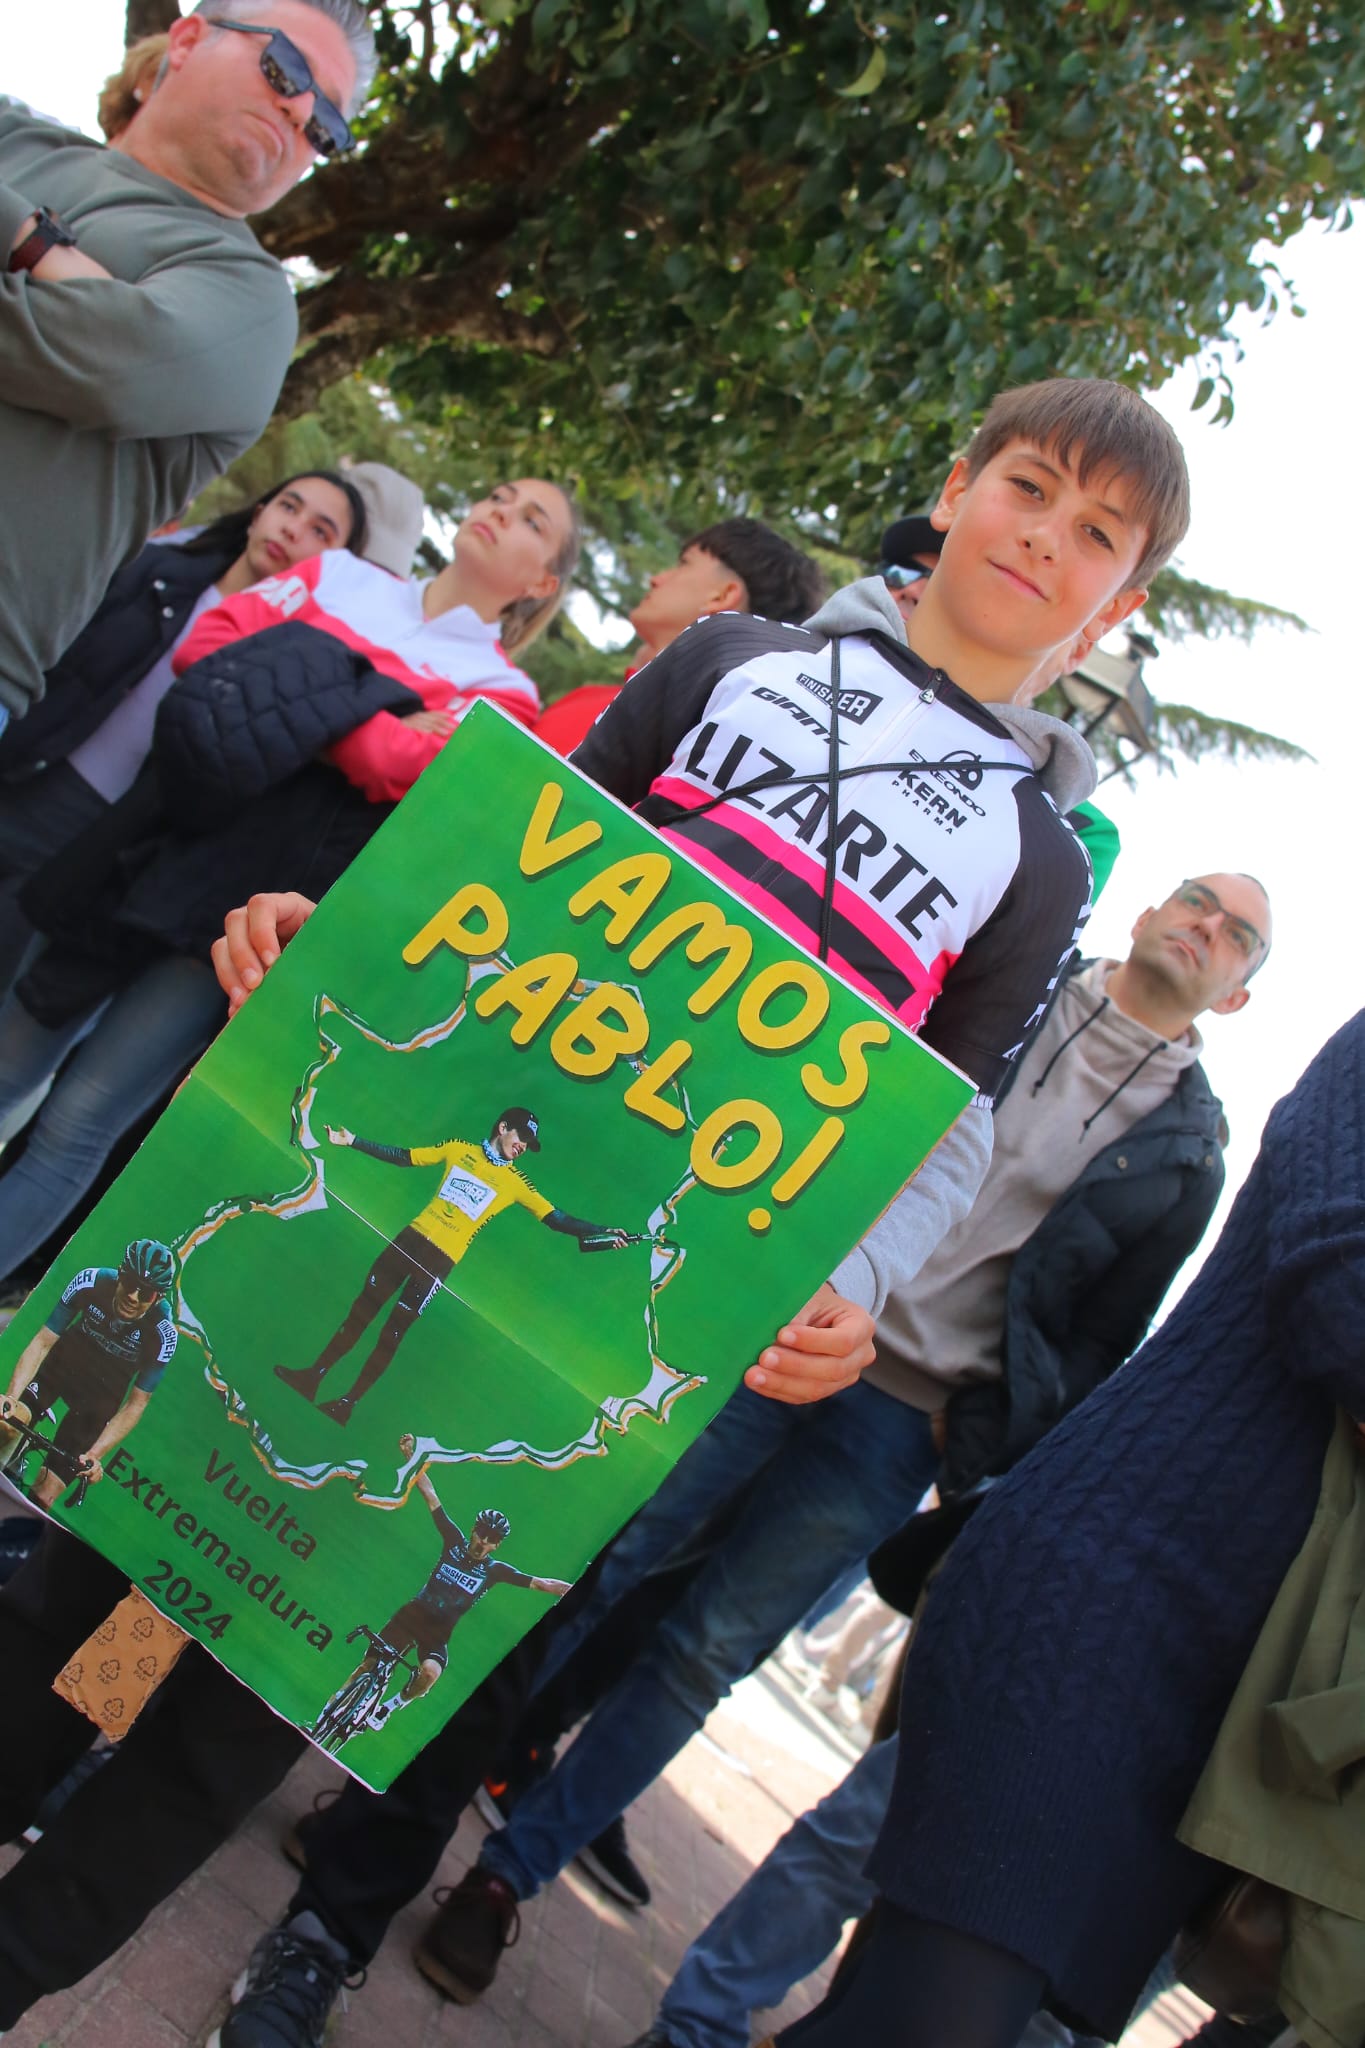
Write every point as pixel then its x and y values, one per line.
pixel 515 965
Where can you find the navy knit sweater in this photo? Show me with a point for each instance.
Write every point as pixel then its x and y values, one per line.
pixel 1082 1645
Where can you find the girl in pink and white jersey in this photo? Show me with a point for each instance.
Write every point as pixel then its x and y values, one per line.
pixel 450 638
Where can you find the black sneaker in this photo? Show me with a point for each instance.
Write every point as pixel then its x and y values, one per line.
pixel 462 1947
pixel 656 2036
pixel 609 1863
pixel 286 1992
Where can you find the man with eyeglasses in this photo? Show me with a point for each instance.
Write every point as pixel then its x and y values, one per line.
pixel 144 332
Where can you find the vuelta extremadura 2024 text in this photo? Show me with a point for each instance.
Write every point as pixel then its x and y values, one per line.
pixel 271 1516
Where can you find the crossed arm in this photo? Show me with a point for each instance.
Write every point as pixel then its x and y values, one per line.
pixel 58 265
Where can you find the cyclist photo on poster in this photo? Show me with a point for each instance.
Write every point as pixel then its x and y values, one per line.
pixel 99 1357
pixel 417 1636
pixel 480 1180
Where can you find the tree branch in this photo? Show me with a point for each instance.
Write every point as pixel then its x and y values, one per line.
pixel 524 137
pixel 350 318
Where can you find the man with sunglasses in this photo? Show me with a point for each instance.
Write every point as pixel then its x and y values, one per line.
pixel 144 332
pixel 100 1356
pixel 910 551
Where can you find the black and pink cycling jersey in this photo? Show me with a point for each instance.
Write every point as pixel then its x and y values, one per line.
pixel 959 888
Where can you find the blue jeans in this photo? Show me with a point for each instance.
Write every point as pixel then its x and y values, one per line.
pixel 142 1041
pixel 825 1484
pixel 789 1913
pixel 786 1917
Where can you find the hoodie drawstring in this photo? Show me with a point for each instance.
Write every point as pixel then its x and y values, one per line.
pixel 831 808
pixel 1084 1025
pixel 1150 1054
pixel 832 776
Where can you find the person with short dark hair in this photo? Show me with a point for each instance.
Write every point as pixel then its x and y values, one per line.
pixel 1106 1169
pixel 144 332
pixel 737 565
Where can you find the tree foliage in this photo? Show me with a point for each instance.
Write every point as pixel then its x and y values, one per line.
pixel 775 256
pixel 782 252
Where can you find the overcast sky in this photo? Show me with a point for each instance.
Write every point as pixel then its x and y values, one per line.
pixel 1276 517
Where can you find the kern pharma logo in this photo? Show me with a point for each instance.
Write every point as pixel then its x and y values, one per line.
pixel 857 705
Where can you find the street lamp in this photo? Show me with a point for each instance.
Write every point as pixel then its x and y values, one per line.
pixel 1108 690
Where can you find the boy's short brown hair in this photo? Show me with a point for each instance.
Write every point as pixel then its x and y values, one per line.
pixel 1099 429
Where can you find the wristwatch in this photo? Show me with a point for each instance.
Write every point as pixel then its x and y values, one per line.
pixel 46 233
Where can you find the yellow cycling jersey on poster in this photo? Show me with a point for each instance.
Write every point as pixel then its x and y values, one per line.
pixel 474 1189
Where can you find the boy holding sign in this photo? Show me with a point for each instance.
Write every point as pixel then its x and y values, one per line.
pixel 876 791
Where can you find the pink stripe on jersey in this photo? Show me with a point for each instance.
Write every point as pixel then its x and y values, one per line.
pixel 880 932
pixel 788 922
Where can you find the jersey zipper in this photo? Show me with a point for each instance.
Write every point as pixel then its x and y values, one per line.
pixel 904 723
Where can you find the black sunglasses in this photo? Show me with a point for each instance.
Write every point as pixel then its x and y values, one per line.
pixel 900 575
pixel 286 72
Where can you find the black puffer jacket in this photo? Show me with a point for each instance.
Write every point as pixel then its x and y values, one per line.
pixel 233 801
pixel 244 718
pixel 1083 1289
pixel 144 611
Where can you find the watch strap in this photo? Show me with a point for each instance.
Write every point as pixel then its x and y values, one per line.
pixel 46 233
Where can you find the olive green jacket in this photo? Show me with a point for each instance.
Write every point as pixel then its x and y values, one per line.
pixel 1283 1795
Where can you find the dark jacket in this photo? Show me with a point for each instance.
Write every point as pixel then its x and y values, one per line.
pixel 144 611
pixel 1084 1288
pixel 233 801
pixel 1082 1291
pixel 1076 1659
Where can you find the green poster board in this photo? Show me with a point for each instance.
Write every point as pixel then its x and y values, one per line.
pixel 731 1115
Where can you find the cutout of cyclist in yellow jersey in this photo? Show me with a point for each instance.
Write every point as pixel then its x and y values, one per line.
pixel 481 1179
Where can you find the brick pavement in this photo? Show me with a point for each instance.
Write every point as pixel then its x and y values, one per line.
pixel 585 1973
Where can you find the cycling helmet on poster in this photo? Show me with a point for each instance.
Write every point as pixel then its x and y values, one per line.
pixel 151 1263
pixel 492 1524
